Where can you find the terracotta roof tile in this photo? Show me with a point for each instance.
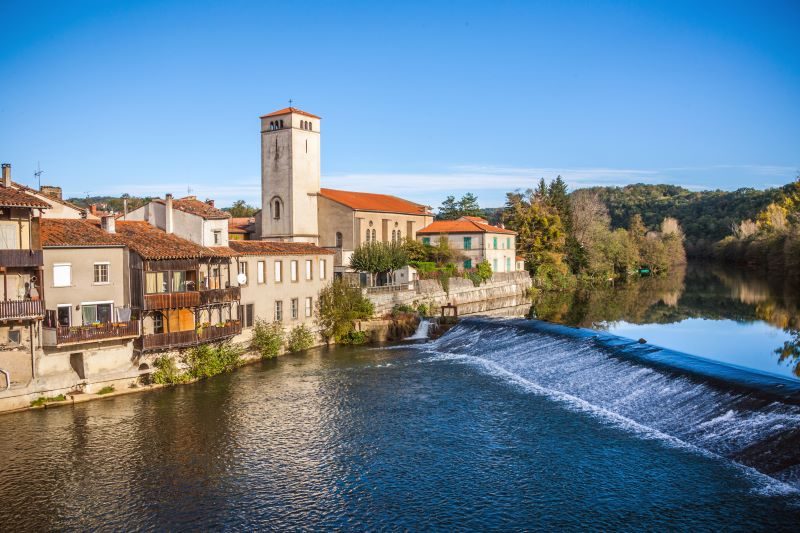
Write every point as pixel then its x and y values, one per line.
pixel 154 244
pixel 462 225
pixel 193 206
pixel 10 197
pixel 383 203
pixel 49 198
pixel 287 110
pixel 57 232
pixel 240 225
pixel 278 248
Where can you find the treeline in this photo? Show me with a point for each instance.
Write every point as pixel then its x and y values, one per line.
pixel 112 203
pixel 566 238
pixel 705 216
pixel 770 239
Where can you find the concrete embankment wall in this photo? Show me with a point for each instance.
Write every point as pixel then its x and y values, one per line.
pixel 505 289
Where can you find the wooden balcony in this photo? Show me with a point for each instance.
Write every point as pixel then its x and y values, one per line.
pixel 21 258
pixel 171 300
pixel 64 335
pixel 187 339
pixel 21 309
pixel 219 296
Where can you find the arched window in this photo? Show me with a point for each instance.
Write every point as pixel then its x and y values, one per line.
pixel 338 239
pixel 373 235
pixel 394 236
pixel 368 234
pixel 276 208
pixel 303 124
pixel 271 126
pixel 281 123
pixel 310 128
pixel 399 236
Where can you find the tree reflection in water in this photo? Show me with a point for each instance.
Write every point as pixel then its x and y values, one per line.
pixel 707 291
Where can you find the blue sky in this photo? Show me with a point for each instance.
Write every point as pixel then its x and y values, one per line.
pixel 418 99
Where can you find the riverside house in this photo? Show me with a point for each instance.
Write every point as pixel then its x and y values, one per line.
pixel 21 266
pixel 282 281
pixel 474 240
pixel 88 331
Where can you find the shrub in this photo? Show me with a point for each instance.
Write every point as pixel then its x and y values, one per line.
pixel 338 307
pixel 267 338
pixel 108 389
pixel 47 399
pixel 423 309
pixel 484 270
pixel 354 337
pixel 300 338
pixel 167 372
pixel 209 360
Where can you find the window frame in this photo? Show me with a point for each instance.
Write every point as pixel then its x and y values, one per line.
pixel 323 266
pixel 295 308
pixel 294 271
pixel 278 271
pixel 261 272
pixel 309 306
pixel 68 266
pixel 278 310
pixel 106 264
pixel 69 315
pixel 468 243
pixel 309 270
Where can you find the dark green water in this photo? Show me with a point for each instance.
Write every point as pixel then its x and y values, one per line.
pixel 451 435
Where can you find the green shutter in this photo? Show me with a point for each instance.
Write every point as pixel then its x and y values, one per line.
pixel 468 264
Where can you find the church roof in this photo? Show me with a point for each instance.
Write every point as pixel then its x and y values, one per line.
pixel 463 225
pixel 366 201
pixel 287 110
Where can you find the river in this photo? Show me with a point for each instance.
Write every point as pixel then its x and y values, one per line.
pixel 499 424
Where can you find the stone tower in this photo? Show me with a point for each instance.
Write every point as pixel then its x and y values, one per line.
pixel 290 170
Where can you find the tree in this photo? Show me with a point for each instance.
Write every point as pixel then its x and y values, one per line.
pixel 338 307
pixel 377 257
pixel 540 231
pixel 453 209
pixel 415 250
pixel 241 209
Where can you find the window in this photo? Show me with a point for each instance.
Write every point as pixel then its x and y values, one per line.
pixel 243 270
pixel 278 271
pixel 179 281
pixel 494 265
pixel 508 243
pixel 281 124
pixel 97 312
pixel 468 243
pixel 373 235
pixel 338 239
pixel 322 268
pixel 368 234
pixel 310 127
pixel 217 236
pixel 309 306
pixel 8 236
pixel 65 315
pixel 468 264
pixel 158 322
pixel 508 264
pixel 260 271
pixel 276 209
pixel 294 308
pixel 247 315
pixel 399 236
pixel 426 240
pixel 278 311
pixel 155 282
pixel 495 243
pixel 394 236
pixel 101 273
pixel 309 269
pixel 14 336
pixel 293 271
pixel 62 275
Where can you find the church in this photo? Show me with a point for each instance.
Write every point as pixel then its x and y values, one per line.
pixel 295 208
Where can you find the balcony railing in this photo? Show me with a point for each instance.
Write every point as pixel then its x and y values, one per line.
pixel 186 339
pixel 21 258
pixel 171 300
pixel 63 335
pixel 218 296
pixel 19 309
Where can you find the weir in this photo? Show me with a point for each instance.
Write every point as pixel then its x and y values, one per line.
pixel 750 417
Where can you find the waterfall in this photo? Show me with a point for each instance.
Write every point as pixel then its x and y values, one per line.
pixel 422 330
pixel 750 417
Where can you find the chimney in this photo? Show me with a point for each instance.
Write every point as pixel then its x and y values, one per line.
pixel 93 209
pixel 7 175
pixel 124 208
pixel 210 202
pixel 168 224
pixel 51 191
pixel 109 223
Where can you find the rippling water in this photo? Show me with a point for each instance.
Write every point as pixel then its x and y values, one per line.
pixel 364 439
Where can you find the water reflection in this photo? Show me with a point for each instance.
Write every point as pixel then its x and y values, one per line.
pixel 707 307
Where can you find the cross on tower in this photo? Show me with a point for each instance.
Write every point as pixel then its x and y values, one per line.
pixel 290 102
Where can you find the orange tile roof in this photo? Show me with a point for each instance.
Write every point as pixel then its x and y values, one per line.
pixel 520 258
pixel 382 203
pixel 49 198
pixel 10 197
pixel 278 248
pixel 462 225
pixel 193 206
pixel 240 225
pixel 287 110
pixel 64 232
pixel 155 244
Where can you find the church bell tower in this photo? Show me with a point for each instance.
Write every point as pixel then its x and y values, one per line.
pixel 290 172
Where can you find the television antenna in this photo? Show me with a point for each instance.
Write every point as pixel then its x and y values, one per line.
pixel 38 174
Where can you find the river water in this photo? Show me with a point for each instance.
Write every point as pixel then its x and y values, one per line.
pixel 500 424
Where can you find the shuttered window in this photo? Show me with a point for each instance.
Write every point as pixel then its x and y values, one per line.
pixel 62 275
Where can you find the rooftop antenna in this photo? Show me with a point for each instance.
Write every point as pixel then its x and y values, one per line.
pixel 38 174
pixel 188 190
